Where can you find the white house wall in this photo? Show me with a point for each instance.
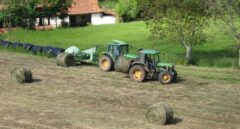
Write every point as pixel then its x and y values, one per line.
pixel 56 21
pixel 96 19
pixel 100 19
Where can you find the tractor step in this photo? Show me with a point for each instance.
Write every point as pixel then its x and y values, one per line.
pixel 150 75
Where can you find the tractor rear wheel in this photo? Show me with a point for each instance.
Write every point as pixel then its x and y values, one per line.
pixel 165 77
pixel 123 65
pixel 138 73
pixel 106 63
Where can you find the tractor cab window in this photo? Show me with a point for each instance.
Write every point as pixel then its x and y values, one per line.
pixel 150 58
pixel 157 58
pixel 142 58
pixel 115 51
pixel 150 61
pixel 124 50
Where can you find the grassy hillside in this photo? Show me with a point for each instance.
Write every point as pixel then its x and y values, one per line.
pixel 217 51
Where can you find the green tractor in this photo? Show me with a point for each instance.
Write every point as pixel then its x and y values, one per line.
pixel 145 66
pixel 115 49
pixel 149 66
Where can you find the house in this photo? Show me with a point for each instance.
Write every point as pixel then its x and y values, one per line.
pixel 81 13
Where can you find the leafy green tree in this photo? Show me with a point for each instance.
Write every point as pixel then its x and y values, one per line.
pixel 18 13
pixel 23 13
pixel 228 11
pixel 184 19
pixel 128 10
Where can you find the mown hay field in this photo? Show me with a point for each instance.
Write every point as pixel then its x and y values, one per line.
pixel 84 97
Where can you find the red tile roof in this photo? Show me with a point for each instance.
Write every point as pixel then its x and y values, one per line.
pixel 84 7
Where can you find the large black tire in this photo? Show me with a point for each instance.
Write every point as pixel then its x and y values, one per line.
pixel 138 73
pixel 123 65
pixel 175 75
pixel 160 113
pixel 106 63
pixel 65 59
pixel 165 77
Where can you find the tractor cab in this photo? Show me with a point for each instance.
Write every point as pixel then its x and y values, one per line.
pixel 117 48
pixel 150 58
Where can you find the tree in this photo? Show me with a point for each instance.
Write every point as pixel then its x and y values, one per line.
pixel 128 9
pixel 184 18
pixel 23 13
pixel 18 12
pixel 229 12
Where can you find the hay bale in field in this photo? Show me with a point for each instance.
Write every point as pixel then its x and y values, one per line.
pixel 160 113
pixel 27 46
pixel 21 75
pixel 16 45
pixel 36 49
pixel 65 59
pixel 122 65
pixel 47 49
pixel 56 51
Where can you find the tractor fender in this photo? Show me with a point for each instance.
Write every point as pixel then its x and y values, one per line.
pixel 138 63
pixel 107 54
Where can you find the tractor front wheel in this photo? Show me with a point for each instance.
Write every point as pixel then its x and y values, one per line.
pixel 138 73
pixel 165 77
pixel 106 63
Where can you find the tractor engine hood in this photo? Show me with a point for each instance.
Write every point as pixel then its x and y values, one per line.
pixel 163 64
pixel 130 56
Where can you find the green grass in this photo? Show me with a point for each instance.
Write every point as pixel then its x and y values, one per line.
pixel 216 52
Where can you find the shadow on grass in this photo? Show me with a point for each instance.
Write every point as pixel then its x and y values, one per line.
pixel 175 121
pixel 36 80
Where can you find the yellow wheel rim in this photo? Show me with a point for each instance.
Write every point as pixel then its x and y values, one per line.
pixel 105 63
pixel 166 78
pixel 137 74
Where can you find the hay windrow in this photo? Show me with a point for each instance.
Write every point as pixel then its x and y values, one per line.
pixel 160 113
pixel 21 75
pixel 65 59
pixel 122 65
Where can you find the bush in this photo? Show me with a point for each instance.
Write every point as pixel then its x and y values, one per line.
pixel 128 10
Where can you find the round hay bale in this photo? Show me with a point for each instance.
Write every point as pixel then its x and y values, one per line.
pixel 122 65
pixel 21 75
pixel 65 59
pixel 56 51
pixel 160 113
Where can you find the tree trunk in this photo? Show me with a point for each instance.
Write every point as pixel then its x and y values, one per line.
pixel 188 55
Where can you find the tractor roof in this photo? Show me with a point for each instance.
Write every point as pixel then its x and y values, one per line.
pixel 152 52
pixel 118 43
